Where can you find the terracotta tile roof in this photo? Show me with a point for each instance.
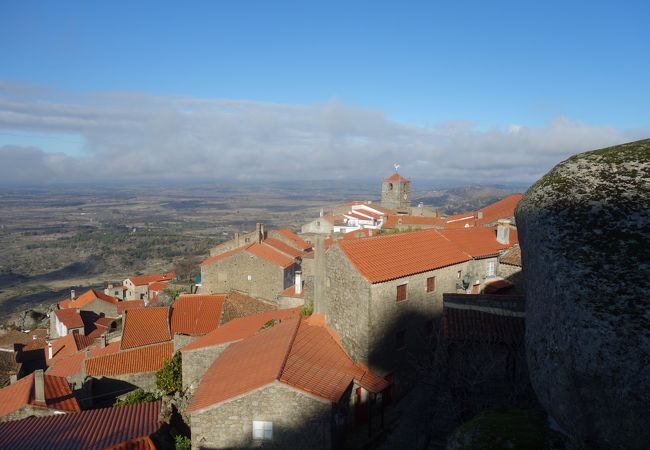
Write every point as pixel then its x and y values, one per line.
pixel 63 304
pixel 94 429
pixel 297 241
pixel 88 297
pixel 396 177
pixel 71 365
pixel 268 253
pixel 148 279
pixel 20 394
pixel 145 326
pixel 196 314
pixel 284 248
pixel 241 328
pixel 294 352
pixel 224 255
pixel 512 257
pixel 479 242
pixel 395 256
pixel 94 324
pixel 291 292
pixel 502 209
pixel 469 325
pixel 394 220
pixel 158 286
pixel 69 317
pixel 238 304
pixel 497 286
pixel 129 304
pixel 66 346
pixel 142 443
pixel 144 359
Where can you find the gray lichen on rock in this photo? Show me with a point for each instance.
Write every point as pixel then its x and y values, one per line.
pixel 585 231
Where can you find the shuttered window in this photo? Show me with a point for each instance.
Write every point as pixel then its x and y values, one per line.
pixel 401 292
pixel 431 284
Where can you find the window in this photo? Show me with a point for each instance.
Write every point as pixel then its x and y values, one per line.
pixel 490 269
pixel 262 430
pixel 400 340
pixel 401 292
pixel 431 284
pixel 460 274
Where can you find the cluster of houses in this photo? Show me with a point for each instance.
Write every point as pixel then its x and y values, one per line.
pixel 293 340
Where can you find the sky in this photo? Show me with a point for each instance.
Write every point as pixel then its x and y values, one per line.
pixel 487 92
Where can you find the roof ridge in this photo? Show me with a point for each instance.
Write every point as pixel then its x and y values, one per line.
pixel 289 347
pixel 451 241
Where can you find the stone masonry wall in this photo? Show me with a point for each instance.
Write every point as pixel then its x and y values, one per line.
pixel 100 306
pixel 266 280
pixel 27 411
pixel 299 420
pixel 197 362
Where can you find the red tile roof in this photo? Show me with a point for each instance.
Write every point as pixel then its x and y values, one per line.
pixel 66 346
pixel 479 242
pixel 394 220
pixel 238 304
pixel 69 317
pixel 241 328
pixel 512 257
pixel 224 255
pixel 88 297
pixel 294 352
pixel 291 292
pixel 142 443
pixel 129 304
pixel 148 279
pixel 297 241
pixel 196 314
pixel 94 429
pixel 158 286
pixel 470 325
pixel 71 365
pixel 502 209
pixel 396 177
pixel 268 253
pixel 95 325
pixel 395 256
pixel 144 359
pixel 145 326
pixel 284 248
pixel 20 394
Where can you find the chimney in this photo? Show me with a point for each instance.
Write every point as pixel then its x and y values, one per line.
pixel 39 387
pixel 72 294
pixel 258 231
pixel 236 239
pixel 49 350
pixel 479 215
pixel 437 212
pixel 321 212
pixel 146 298
pixel 298 282
pixel 503 231
pixel 13 378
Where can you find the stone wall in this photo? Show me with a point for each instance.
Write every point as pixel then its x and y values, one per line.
pixel 100 306
pixel 237 241
pixel 27 411
pixel 197 362
pixel 181 340
pixel 299 420
pixel 513 274
pixel 266 280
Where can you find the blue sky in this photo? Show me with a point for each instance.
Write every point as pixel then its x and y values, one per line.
pixel 486 65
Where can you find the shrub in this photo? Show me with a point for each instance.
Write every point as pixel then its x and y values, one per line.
pixel 137 396
pixel 169 378
pixel 183 442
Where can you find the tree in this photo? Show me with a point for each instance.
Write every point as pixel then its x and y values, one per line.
pixel 137 396
pixel 187 268
pixel 169 379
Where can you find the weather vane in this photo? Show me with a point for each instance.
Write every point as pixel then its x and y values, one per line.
pixel 396 166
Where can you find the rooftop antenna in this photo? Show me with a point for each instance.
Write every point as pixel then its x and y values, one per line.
pixel 396 166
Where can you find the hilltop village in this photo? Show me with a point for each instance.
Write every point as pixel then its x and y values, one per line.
pixel 305 338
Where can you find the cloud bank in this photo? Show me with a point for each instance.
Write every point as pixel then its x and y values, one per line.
pixel 130 137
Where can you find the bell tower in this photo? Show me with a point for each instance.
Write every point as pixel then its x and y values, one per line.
pixel 396 192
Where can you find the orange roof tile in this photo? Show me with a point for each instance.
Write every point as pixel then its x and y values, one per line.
pixel 145 359
pixel 297 241
pixel 503 209
pixel 70 365
pixel 291 292
pixel 268 253
pixel 241 328
pixel 93 429
pixel 295 352
pixel 196 314
pixel 69 317
pixel 284 248
pixel 88 297
pixel 148 279
pixel 385 258
pixel 394 220
pixel 144 326
pixel 58 395
pixel 158 286
pixel 479 242
pixel 141 443
pixel 238 304
pixel 512 257
pixel 129 304
pixel 66 346
pixel 396 177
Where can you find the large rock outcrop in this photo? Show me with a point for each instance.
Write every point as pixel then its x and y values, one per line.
pixel 585 237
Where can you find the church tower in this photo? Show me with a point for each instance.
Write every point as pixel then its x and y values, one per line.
pixel 396 192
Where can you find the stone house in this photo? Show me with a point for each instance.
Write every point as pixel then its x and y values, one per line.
pixel 240 240
pixel 92 300
pixel 396 193
pixel 138 286
pixel 260 269
pixel 199 355
pixel 36 394
pixel 289 386
pixel 64 321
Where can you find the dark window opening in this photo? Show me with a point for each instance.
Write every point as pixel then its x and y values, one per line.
pixel 431 284
pixel 401 292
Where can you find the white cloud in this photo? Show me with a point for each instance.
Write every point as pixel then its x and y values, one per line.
pixel 136 136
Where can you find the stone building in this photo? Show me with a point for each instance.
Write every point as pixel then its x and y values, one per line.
pixel 487 216
pixel 396 193
pixel 92 300
pixel 289 386
pixel 261 269
pixel 36 394
pixel 137 287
